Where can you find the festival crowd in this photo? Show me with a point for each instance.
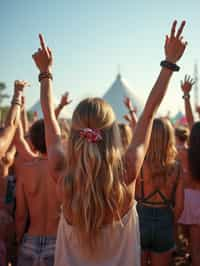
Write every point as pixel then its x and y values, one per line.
pixel 92 191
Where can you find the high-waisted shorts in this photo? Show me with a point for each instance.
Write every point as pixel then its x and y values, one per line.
pixel 156 228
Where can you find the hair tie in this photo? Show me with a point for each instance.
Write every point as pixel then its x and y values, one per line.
pixel 92 135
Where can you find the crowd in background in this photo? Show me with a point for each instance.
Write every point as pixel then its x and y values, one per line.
pixel 95 191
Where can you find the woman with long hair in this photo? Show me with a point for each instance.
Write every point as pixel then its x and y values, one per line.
pixel 160 195
pixel 99 223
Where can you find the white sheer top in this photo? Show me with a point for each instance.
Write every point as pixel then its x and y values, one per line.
pixel 118 246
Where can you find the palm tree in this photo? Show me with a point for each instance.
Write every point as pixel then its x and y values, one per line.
pixel 2 94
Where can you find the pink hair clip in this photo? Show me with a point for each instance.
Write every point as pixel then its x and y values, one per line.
pixel 92 135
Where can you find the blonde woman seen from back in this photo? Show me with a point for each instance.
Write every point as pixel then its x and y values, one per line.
pixel 160 195
pixel 99 223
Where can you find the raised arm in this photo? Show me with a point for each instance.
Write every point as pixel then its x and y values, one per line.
pixel 24 117
pixel 186 87
pixel 63 102
pixel 56 157
pixel 174 48
pixel 22 145
pixel 12 119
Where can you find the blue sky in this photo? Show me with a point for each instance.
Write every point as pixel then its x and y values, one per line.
pixel 90 39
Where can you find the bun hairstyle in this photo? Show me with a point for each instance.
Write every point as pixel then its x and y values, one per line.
pixel 94 183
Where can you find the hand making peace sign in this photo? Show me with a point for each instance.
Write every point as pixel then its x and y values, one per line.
pixel 175 45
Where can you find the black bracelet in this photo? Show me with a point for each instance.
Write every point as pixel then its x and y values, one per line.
pixel 169 65
pixel 186 96
pixel 16 102
pixel 45 75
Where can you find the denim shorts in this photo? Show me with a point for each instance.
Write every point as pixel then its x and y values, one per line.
pixel 37 250
pixel 156 228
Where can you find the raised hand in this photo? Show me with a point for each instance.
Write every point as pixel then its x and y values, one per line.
pixel 19 85
pixel 65 100
pixel 186 84
pixel 43 57
pixel 174 44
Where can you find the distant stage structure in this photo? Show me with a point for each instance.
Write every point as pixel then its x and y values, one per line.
pixel 115 96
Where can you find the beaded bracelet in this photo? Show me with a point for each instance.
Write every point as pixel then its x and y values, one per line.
pixel 45 75
pixel 16 101
pixel 169 65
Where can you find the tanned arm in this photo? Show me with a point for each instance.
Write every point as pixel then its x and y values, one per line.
pixel 56 157
pixel 174 49
pixel 13 117
pixel 186 87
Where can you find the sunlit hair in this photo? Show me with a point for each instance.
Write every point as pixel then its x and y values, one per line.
pixel 94 182
pixel 126 135
pixel 194 151
pixel 162 152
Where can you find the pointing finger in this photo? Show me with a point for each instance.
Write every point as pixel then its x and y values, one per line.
pixel 173 29
pixel 42 42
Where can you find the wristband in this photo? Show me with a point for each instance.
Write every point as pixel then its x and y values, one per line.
pixel 169 65
pixel 45 75
pixel 17 102
pixel 186 96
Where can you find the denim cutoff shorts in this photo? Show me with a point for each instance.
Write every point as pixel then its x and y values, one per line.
pixel 37 250
pixel 156 228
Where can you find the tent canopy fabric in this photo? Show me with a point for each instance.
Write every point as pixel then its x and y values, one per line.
pixel 115 97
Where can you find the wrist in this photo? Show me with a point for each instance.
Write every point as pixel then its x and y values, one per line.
pixel 171 60
pixel 16 100
pixel 186 96
pixel 169 65
pixel 60 106
pixel 17 92
pixel 45 75
pixel 46 69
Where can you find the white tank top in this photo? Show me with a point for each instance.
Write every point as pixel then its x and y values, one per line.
pixel 118 246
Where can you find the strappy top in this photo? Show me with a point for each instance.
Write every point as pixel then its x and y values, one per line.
pixel 164 200
pixel 119 245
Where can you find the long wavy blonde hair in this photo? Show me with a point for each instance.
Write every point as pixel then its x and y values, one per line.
pixel 161 154
pixel 94 183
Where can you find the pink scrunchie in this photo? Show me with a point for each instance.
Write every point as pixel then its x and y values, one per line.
pixel 92 135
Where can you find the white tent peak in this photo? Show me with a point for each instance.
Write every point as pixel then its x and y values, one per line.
pixel 115 96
